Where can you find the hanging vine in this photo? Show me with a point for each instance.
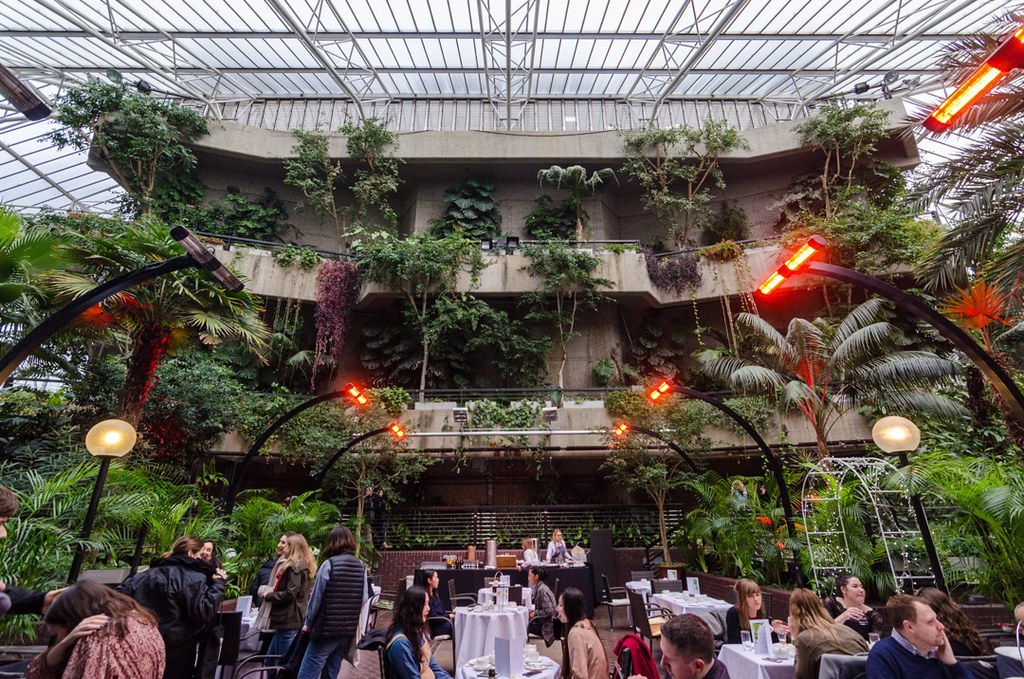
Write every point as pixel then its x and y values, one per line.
pixel 337 287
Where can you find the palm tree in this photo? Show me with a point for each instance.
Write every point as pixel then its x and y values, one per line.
pixel 980 187
pixel 825 370
pixel 161 316
pixel 575 180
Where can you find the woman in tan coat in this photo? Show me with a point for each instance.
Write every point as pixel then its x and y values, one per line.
pixel 816 634
pixel 583 655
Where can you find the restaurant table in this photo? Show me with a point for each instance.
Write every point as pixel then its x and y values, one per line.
pixel 832 664
pixel 483 596
pixel 471 580
pixel 476 629
pixel 550 670
pixel 678 603
pixel 745 664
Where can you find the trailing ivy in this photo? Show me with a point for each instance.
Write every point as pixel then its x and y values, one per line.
pixel 470 210
pixel 238 215
pixel 314 173
pixel 337 288
pixel 372 144
pixel 291 255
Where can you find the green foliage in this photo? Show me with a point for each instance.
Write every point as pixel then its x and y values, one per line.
pixel 659 348
pixel 549 221
pixel 177 199
pixel 744 532
pixel 725 251
pixel 731 225
pixel 675 169
pixel 141 138
pixel 238 215
pixel 578 184
pixel 613 372
pixel 257 523
pixel 371 143
pixel 314 173
pixel 425 271
pixel 847 135
pixel 567 287
pixel 676 273
pixel 290 255
pixel 619 248
pixel 470 210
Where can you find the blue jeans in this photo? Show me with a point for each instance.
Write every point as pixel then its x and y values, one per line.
pixel 279 644
pixel 323 658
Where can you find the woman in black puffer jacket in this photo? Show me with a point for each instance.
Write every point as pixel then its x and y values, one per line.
pixel 183 592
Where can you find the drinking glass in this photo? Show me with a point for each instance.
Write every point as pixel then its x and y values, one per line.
pixel 872 638
pixel 746 640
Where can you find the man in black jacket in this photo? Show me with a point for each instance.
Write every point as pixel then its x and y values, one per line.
pixel 21 600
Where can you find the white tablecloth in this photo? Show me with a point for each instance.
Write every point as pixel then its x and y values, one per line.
pixel 476 629
pixel 483 596
pixel 551 670
pixel 744 664
pixel 678 603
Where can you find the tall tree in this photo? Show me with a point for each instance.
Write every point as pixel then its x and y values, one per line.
pixel 162 315
pixel 579 184
pixel 825 369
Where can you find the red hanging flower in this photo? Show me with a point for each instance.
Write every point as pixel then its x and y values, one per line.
pixel 764 521
pixel 782 545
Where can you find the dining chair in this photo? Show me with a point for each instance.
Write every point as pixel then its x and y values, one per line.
pixel 612 598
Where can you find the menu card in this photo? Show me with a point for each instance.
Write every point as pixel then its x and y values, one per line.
pixel 761 632
pixel 508 656
pixel 693 586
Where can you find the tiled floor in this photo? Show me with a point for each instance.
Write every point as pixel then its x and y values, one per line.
pixel 368 666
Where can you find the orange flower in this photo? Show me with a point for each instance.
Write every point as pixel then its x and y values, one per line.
pixel 782 545
pixel 979 306
pixel 764 521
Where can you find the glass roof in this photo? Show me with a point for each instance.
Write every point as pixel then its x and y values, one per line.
pixel 645 55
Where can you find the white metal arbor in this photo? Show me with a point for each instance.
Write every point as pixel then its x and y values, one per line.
pixel 836 484
pixel 530 65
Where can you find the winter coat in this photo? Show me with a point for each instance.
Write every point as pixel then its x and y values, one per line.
pixel 640 653
pixel 24 600
pixel 183 595
pixel 337 599
pixel 289 598
pixel 261 578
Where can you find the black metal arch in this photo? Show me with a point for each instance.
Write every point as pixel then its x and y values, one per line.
pixel 344 449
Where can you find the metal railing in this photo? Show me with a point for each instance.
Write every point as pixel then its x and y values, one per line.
pixel 457 527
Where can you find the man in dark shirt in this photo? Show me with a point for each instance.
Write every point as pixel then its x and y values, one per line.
pixel 21 600
pixel 688 649
pixel 917 647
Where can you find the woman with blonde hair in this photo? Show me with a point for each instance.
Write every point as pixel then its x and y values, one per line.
pixel 287 593
pixel 747 608
pixel 100 633
pixel 815 634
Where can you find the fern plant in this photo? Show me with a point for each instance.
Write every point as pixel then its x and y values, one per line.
pixel 470 209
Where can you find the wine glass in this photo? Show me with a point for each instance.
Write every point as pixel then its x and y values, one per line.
pixel 746 640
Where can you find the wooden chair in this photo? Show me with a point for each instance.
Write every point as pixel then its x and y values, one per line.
pixel 645 624
pixel 670 585
pixel 612 598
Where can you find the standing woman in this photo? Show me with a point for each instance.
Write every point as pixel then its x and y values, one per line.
pixel 407 654
pixel 815 634
pixel 747 608
pixel 556 548
pixel 848 607
pixel 100 633
pixel 437 610
pixel 332 617
pixel 583 655
pixel 290 593
pixel 184 591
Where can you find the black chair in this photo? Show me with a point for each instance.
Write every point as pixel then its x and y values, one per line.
pixel 277 664
pixel 400 592
pixel 557 589
pixel 670 585
pixel 515 595
pixel 641 575
pixel 459 599
pixel 377 641
pixel 623 665
pixel 612 598
pixel 230 641
pixel 644 624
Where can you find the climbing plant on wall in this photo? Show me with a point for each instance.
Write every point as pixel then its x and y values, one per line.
pixel 316 174
pixel 337 286
pixel 371 144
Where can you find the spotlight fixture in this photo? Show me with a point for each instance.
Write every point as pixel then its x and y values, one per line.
pixel 23 96
pixel 549 414
pixel 861 88
pixel 206 259
pixel 487 244
pixel 460 414
pixel 511 243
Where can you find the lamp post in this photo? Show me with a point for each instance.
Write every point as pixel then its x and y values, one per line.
pixel 106 440
pixel 898 436
pixel 623 429
pixel 198 257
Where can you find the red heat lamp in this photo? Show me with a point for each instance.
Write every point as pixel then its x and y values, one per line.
pixel 655 394
pixel 357 394
pixel 1008 56
pixel 621 430
pixel 397 431
pixel 813 246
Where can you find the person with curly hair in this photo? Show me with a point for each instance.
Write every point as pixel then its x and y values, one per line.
pixel 963 637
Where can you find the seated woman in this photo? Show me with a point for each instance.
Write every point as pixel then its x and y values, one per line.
pixel 100 633
pixel 557 551
pixel 407 653
pixel 747 608
pixel 815 634
pixel 437 627
pixel 543 615
pixel 848 607
pixel 963 637
pixel 530 557
pixel 583 654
